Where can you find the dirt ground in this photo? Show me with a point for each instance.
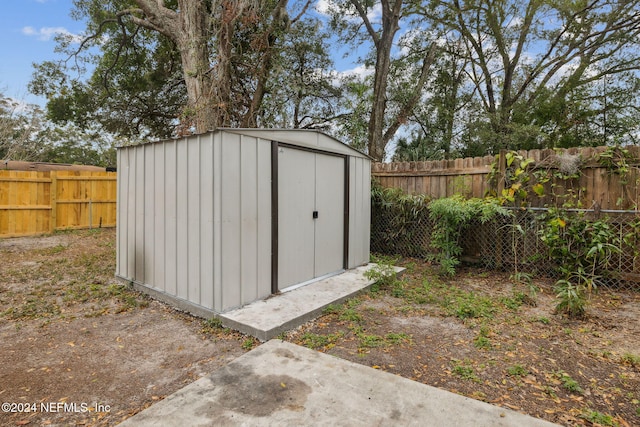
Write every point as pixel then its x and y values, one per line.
pixel 71 335
pixel 80 349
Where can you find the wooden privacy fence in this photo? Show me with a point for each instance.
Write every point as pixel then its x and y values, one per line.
pixel 598 184
pixel 43 202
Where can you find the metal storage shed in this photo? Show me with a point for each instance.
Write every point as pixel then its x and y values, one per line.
pixel 214 221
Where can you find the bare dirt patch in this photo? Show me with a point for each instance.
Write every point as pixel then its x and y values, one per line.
pixel 72 335
pixel 480 336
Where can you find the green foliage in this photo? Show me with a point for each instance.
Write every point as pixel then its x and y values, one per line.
pixel 350 315
pixel 584 249
pixel 464 370
pixel 398 221
pixel 316 341
pixel 249 343
pixel 517 371
pixel 630 359
pixel 383 274
pixel 618 161
pixel 569 383
pixel 598 418
pixel 468 305
pixel 451 215
pixel 482 340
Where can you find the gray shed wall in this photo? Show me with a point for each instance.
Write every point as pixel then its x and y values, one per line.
pixel 194 215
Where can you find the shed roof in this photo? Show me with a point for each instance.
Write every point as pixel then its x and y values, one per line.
pixel 309 138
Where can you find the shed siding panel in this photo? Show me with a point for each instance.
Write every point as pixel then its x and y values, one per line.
pixel 359 211
pixel 248 219
pixel 193 222
pixel 206 221
pixel 217 222
pixel 182 219
pixel 264 218
pixel 149 212
pixel 171 213
pixel 131 216
pixel 159 217
pixel 139 210
pixel 121 217
pixel 230 210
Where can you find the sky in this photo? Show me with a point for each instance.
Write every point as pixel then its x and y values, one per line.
pixel 27 29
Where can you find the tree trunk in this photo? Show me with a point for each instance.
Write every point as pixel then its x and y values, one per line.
pixel 383 43
pixel 202 110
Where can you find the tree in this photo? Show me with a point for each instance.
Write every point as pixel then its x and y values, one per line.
pixel 301 93
pixel 73 145
pixel 382 127
pixel 136 89
pixel 528 54
pixel 221 45
pixel 19 128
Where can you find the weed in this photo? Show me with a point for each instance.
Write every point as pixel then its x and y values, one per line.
pixel 468 305
pixel 464 371
pixel 630 359
pixel 393 338
pixel 517 371
pixel 548 390
pixel 543 320
pixel 514 302
pixel 599 418
pixel 482 340
pixel 52 250
pixel 248 344
pixel 331 309
pixel 316 341
pixel 382 274
pixel 350 315
pixel 371 341
pixel 569 383
pixel 34 307
pixel 211 325
pixel 482 343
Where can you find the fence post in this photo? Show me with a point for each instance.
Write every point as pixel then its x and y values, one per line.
pixel 54 198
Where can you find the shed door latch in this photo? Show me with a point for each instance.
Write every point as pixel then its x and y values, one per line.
pixel 315 214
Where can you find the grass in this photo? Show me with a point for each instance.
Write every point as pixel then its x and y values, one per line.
pixel 61 277
pixel 464 370
pixel 317 341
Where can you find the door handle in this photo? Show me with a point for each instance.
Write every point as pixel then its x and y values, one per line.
pixel 315 214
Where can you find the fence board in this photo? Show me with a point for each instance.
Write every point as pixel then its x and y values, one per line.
pixel 44 201
pixel 597 186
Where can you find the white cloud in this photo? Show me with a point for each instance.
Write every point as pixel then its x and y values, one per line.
pixel 360 71
pixel 325 7
pixel 47 33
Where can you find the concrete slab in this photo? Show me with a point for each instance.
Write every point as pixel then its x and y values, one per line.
pixel 283 384
pixel 268 318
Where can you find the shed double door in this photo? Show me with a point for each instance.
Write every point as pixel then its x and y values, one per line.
pixel 311 191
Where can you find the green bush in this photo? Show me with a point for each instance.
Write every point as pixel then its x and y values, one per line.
pixel 398 221
pixel 451 216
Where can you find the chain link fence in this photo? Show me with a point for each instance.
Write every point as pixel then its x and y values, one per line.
pixel 507 243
